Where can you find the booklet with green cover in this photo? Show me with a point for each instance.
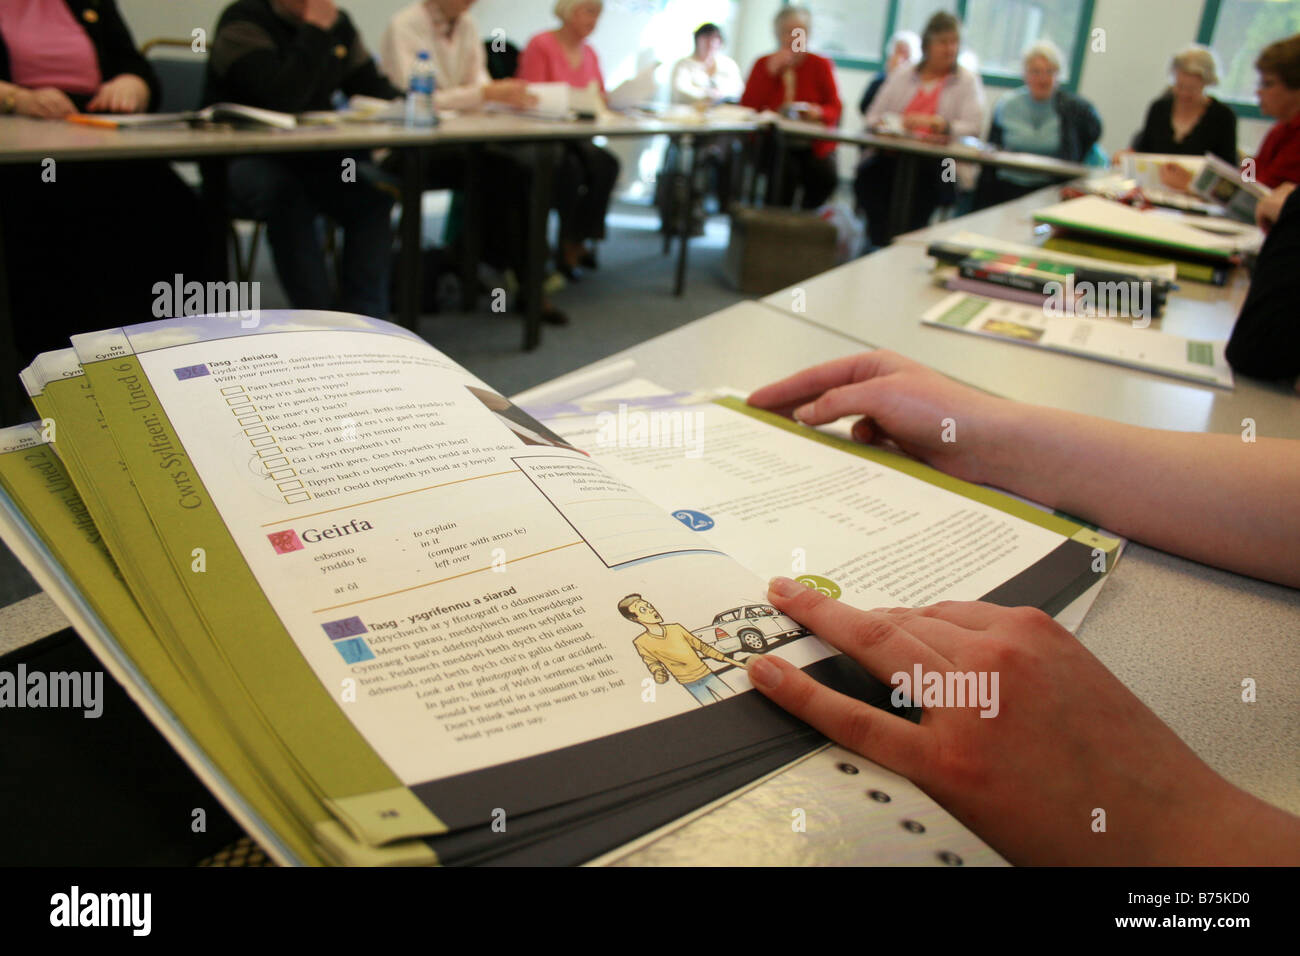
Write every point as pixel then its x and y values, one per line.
pixel 389 616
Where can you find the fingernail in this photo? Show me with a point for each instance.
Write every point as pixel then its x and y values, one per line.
pixel 803 411
pixel 765 675
pixel 783 587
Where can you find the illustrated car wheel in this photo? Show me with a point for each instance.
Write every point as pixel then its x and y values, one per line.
pixel 753 640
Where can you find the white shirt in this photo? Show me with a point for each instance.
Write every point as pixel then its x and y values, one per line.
pixel 459 60
pixel 692 83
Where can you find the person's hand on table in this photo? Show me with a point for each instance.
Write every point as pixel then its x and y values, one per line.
pixel 320 13
pixel 1064 739
pixel 45 102
pixel 1175 176
pixel 1117 158
pixel 125 93
pixel 926 123
pixel 1270 207
pixel 511 93
pixel 901 402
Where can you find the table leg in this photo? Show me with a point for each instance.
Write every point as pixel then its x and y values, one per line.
pixel 900 200
pixel 686 215
pixel 11 395
pixel 776 174
pixel 471 227
pixel 410 261
pixel 539 208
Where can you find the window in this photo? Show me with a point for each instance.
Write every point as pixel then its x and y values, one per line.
pixel 854 33
pixel 1236 30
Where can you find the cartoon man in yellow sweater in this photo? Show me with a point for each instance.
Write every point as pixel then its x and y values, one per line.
pixel 671 649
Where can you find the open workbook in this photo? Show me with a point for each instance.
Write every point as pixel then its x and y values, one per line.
pixel 388 616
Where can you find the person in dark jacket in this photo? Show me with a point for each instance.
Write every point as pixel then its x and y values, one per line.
pixel 1265 342
pixel 294 56
pixel 1041 118
pixel 117 227
pixel 904 48
pixel 1186 120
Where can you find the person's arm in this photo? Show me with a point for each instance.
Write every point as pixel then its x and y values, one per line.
pixel 1265 341
pixel 757 87
pixel 1055 739
pixel 362 76
pixel 1225 141
pixel 1089 127
pixel 246 59
pixel 708 650
pixel 1213 498
pixel 120 57
pixel 969 118
pixel 885 100
pixel 397 52
pixel 684 87
pixel 1141 139
pixel 656 667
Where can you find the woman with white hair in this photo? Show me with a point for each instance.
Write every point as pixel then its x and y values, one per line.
pixel 1187 120
pixel 904 49
pixel 585 178
pixel 800 85
pixel 1040 118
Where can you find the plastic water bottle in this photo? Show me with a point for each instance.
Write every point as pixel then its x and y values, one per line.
pixel 419 95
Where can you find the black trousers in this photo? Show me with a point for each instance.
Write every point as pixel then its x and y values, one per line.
pixel 874 187
pixel 816 174
pixel 584 182
pixel 84 251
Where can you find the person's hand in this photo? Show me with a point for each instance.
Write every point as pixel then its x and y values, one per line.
pixel 46 102
pixel 902 403
pixel 1117 158
pixel 1175 176
pixel 926 123
pixel 1064 739
pixel 811 112
pixel 1270 207
pixel 125 93
pixel 780 60
pixel 511 93
pixel 320 13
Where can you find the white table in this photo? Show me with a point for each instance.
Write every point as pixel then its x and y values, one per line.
pixel 878 301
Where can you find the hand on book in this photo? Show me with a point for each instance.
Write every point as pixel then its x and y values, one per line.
pixel 1065 749
pixel 125 93
pixel 902 403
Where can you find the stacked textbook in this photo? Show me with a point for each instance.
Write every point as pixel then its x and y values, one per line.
pixel 389 617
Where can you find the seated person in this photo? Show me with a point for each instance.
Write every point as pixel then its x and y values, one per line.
pixel 1278 159
pixel 904 50
pixel 84 242
pixel 1042 118
pixel 938 96
pixel 708 75
pixel 294 56
pixel 446 31
pixel 1188 121
pixel 799 85
pixel 587 173
pixel 1265 342
pixel 1069 735
pixel 703 79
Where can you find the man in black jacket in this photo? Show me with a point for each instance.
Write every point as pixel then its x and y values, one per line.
pixel 1265 342
pixel 295 56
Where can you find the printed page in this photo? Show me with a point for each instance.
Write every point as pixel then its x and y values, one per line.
pixel 466 587
pixel 1106 339
pixel 858 526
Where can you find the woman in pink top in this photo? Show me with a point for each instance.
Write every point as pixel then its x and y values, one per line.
pixel 586 174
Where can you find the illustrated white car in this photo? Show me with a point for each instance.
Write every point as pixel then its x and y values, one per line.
pixel 750 627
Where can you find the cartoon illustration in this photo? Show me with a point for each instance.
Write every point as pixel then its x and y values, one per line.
pixel 750 627
pixel 670 649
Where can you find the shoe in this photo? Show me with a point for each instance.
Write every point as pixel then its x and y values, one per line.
pixel 588 259
pixel 572 273
pixel 553 316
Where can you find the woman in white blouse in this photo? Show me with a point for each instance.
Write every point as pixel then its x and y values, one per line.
pixel 708 75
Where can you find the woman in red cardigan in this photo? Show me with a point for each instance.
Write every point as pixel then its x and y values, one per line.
pixel 800 85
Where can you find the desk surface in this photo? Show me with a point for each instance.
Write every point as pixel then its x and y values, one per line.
pixel 23 139
pixel 1180 635
pixel 878 300
pixel 963 152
